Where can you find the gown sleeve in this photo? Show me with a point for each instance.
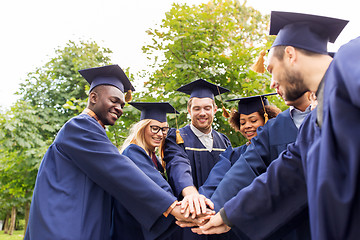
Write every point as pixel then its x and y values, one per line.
pixel 178 165
pixel 92 152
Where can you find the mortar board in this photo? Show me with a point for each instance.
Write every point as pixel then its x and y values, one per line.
pixel 248 105
pixel 107 75
pixel 305 31
pixel 202 89
pixel 154 110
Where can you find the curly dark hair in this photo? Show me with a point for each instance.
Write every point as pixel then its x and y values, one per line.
pixel 234 119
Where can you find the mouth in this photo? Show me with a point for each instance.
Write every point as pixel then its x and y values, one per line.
pixel 114 115
pixel 202 120
pixel 250 133
pixel 157 139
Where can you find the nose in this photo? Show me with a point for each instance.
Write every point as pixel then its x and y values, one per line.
pixel 119 110
pixel 247 125
pixel 273 83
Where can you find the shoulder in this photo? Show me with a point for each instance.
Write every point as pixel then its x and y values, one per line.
pixel 133 149
pixel 221 135
pixel 81 126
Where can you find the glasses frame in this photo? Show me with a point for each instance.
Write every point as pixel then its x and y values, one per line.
pixel 164 130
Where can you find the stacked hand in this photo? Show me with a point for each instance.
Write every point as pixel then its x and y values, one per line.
pixel 197 212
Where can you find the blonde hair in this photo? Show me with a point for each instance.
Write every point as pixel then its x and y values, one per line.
pixel 137 135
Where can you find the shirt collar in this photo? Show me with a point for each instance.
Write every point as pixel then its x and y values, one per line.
pixel 199 133
pixel 93 115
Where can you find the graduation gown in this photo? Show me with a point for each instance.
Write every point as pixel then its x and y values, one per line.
pixel 217 173
pixel 190 163
pixel 334 177
pixel 270 141
pixel 277 199
pixel 79 173
pixel 125 226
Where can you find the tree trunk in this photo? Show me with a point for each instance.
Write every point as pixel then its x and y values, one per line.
pixel 6 223
pixel 12 221
pixel 27 210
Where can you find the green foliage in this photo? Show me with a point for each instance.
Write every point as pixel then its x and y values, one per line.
pixel 58 82
pixel 217 41
pixel 50 96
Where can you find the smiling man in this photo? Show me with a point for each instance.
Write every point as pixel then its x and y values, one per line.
pixel 82 170
pixel 188 164
pixel 319 172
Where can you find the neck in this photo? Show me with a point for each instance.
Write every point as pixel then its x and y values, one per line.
pixel 317 70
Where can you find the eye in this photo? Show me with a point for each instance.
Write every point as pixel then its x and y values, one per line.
pixel 155 128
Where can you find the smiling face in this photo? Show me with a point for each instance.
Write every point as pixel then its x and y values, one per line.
pixel 249 124
pixel 107 103
pixel 152 139
pixel 202 112
pixel 286 79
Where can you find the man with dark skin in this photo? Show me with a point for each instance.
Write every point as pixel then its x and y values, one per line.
pixel 82 170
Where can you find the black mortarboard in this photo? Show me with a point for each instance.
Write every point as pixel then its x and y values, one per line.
pixel 107 75
pixel 305 31
pixel 248 105
pixel 154 110
pixel 202 89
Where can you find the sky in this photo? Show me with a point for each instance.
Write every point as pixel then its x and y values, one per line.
pixel 31 30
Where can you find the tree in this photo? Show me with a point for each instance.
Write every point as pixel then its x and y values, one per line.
pixel 218 42
pixel 30 126
pixel 49 87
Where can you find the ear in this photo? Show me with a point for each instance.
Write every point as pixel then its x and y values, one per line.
pixel 93 97
pixel 290 54
pixel 188 109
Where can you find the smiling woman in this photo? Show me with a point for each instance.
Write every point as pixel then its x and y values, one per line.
pixel 145 137
pixel 252 113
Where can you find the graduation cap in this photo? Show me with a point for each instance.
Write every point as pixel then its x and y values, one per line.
pixel 248 105
pixel 202 89
pixel 305 31
pixel 108 75
pixel 154 110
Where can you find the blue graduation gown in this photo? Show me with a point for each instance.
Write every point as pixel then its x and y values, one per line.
pixel 278 197
pixel 125 226
pixel 78 175
pixel 334 177
pixel 190 163
pixel 217 173
pixel 270 141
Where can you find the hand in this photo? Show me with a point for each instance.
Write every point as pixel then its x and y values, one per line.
pixel 214 226
pixel 198 221
pixel 194 203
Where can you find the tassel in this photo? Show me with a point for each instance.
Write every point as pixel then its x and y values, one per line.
pixel 179 139
pixel 128 96
pixel 259 66
pixel 266 117
pixel 225 112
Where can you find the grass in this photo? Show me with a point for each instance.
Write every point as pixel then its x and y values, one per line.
pixel 17 235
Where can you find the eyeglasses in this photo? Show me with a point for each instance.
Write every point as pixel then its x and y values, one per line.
pixel 156 129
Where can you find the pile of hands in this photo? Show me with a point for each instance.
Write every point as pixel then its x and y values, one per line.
pixel 196 211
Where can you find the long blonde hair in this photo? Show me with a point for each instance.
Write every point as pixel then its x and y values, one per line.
pixel 137 135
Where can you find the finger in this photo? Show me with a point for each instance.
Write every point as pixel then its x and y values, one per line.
pixel 197 230
pixel 187 213
pixel 197 206
pixel 191 205
pixel 186 224
pixel 203 205
pixel 184 205
pixel 209 203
